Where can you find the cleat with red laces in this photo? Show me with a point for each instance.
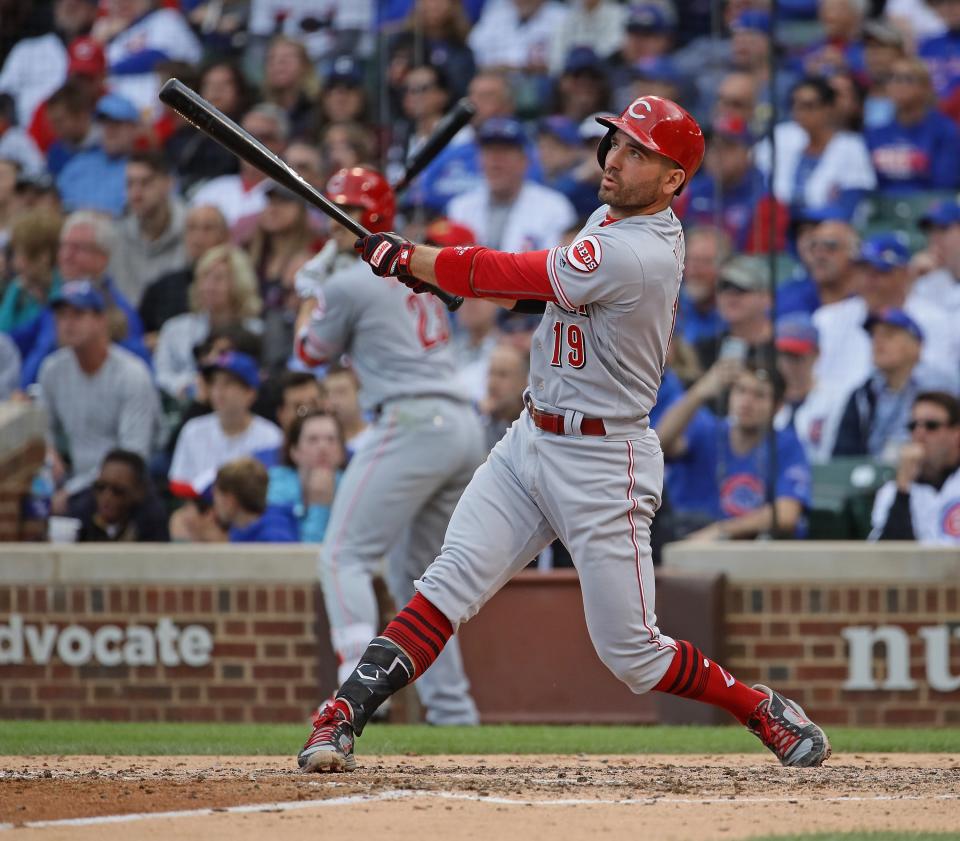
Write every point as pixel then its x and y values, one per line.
pixel 783 727
pixel 330 746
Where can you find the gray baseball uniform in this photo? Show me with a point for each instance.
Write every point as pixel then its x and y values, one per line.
pixel 400 488
pixel 598 353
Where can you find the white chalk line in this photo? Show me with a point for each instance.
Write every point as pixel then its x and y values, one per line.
pixel 410 794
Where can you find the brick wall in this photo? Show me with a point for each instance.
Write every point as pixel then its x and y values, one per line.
pixel 21 453
pixel 266 663
pixel 792 615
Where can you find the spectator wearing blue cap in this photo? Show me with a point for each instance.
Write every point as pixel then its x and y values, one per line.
pixel 562 156
pixel 817 163
pixel 941 285
pixel 917 149
pixel 231 431
pixel 811 407
pixel 86 244
pixel 97 395
pixel 508 212
pixel 95 178
pixel 583 87
pixel 875 419
pixel 731 189
pixel 846 355
pixel 597 24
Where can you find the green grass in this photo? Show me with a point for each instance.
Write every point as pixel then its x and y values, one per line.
pixel 103 738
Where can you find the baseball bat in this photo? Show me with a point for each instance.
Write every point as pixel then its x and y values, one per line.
pixel 220 128
pixel 454 120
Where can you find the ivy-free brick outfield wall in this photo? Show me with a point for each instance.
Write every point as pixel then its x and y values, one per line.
pixel 265 662
pixel 793 634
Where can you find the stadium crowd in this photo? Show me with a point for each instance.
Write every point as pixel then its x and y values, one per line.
pixel 147 293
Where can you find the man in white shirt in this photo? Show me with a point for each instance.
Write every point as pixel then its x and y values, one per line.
pixel 845 349
pixel 517 34
pixel 508 213
pixel 941 286
pixel 231 431
pixel 245 194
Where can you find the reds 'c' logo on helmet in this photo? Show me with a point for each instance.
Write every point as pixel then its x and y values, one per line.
pixel 585 254
pixel 661 126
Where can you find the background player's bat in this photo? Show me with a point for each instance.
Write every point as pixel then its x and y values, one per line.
pixel 219 127
pixel 449 125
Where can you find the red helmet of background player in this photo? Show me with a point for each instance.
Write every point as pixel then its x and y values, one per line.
pixel 367 189
pixel 661 126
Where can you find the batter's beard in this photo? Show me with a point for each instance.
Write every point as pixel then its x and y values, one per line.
pixel 629 202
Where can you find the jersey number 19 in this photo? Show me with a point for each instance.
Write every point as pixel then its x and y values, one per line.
pixel 572 338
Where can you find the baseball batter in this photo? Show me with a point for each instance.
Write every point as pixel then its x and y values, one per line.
pixel 400 488
pixel 582 463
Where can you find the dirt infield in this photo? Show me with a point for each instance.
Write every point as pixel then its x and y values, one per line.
pixel 671 798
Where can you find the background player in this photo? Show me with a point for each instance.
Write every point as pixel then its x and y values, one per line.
pixel 402 484
pixel 582 463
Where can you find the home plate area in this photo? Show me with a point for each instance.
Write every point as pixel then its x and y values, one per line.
pixel 576 797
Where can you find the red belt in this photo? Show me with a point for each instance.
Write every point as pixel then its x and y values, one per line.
pixel 549 422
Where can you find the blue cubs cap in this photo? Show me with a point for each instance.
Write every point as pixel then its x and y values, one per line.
pixel 119 109
pixel 503 130
pixel 345 71
pixel 659 69
pixel 824 213
pixel 752 20
pixel 79 294
pixel 651 17
pixel 241 365
pixel 562 128
pixel 895 318
pixel 583 60
pixel 796 333
pixel 941 215
pixel 884 252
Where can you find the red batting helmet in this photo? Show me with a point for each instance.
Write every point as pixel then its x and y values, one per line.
pixel 365 188
pixel 661 126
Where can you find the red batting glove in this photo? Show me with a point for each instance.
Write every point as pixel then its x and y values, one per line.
pixel 388 254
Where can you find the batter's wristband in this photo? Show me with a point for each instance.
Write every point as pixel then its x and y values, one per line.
pixel 454 269
pixel 404 258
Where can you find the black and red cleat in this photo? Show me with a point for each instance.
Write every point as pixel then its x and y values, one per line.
pixel 330 746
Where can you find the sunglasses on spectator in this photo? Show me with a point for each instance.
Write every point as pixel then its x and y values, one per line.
pixel 826 244
pixel 101 486
pixel 927 425
pixel 733 102
pixel 807 104
pixel 424 88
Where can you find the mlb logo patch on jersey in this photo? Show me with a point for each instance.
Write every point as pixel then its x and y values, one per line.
pixel 585 254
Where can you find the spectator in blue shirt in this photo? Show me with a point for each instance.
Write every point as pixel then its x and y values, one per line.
pixel 304 484
pixel 707 250
pixel 95 178
pixel 941 53
pixel 917 149
pixel 730 189
pixel 828 252
pixel 720 468
pixel 240 505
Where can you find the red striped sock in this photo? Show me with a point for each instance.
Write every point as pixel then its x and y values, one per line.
pixel 691 675
pixel 421 631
